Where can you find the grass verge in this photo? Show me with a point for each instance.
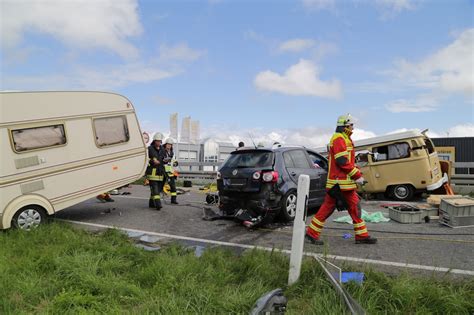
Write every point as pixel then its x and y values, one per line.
pixel 58 269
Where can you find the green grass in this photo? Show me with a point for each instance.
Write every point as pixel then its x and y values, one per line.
pixel 58 269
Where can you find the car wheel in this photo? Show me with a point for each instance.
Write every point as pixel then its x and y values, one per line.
pixel 29 217
pixel 402 192
pixel 288 206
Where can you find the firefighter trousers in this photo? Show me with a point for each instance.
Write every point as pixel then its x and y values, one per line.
pixel 155 193
pixel 327 208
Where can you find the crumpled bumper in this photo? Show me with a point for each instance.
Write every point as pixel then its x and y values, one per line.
pixel 439 183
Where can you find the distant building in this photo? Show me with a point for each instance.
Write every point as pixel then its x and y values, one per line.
pixel 174 126
pixel 195 131
pixel 456 149
pixel 209 150
pixel 186 130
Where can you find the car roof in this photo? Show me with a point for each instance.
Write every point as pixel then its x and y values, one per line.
pixel 277 149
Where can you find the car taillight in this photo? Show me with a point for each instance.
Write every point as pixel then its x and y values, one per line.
pixel 256 175
pixel 218 175
pixel 270 177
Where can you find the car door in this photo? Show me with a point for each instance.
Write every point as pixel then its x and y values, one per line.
pixel 321 165
pixel 297 163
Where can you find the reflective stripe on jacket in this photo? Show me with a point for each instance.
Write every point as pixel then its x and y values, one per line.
pixel 345 175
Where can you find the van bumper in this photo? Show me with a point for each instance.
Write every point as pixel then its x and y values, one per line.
pixel 439 183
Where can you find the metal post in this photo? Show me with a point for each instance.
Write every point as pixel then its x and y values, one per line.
pixel 299 226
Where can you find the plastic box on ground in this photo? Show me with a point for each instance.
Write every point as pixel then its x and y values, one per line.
pixel 457 212
pixel 406 216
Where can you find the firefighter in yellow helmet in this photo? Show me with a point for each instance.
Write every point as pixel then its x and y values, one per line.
pixel 341 185
pixel 155 171
pixel 166 157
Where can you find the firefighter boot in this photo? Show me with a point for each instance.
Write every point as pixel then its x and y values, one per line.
pixel 366 240
pixel 173 200
pixel 158 204
pixel 312 240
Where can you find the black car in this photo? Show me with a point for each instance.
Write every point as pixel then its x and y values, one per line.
pixel 264 181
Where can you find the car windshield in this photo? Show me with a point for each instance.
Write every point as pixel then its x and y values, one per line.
pixel 254 159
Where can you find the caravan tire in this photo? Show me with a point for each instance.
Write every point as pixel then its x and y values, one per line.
pixel 402 192
pixel 29 217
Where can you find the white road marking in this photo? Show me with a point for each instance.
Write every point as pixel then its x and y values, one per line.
pixel 309 254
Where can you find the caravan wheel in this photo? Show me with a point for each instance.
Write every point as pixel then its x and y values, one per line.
pixel 29 217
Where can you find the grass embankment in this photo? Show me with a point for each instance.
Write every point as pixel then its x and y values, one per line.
pixel 58 269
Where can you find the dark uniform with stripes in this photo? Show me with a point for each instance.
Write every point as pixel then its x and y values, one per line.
pixel 155 174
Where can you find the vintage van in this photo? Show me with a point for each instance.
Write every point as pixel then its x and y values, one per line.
pixel 61 148
pixel 399 164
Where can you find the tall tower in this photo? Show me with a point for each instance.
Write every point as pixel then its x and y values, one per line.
pixel 186 129
pixel 195 131
pixel 174 126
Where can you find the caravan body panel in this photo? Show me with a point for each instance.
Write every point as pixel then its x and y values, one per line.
pixel 61 148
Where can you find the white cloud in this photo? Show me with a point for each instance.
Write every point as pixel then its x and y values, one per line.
pixel 390 8
pixel 297 45
pixel 300 79
pixel 106 78
pixel 424 103
pixel 450 69
pixel 465 130
pixel 319 4
pixel 105 24
pixel 179 52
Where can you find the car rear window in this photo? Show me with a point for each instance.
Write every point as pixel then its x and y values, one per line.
pixel 254 159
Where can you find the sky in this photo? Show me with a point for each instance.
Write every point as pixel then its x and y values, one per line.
pixel 266 70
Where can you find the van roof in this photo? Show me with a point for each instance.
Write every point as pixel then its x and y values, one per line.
pixel 389 138
pixel 24 107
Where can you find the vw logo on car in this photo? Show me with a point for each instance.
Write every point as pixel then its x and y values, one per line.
pixel 234 172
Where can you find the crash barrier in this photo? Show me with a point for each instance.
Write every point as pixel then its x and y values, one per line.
pixel 462 180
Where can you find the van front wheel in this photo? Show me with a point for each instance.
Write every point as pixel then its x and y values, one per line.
pixel 29 217
pixel 402 192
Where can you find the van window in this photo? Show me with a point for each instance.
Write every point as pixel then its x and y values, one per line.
pixel 392 152
pixel 429 145
pixel 111 130
pixel 38 137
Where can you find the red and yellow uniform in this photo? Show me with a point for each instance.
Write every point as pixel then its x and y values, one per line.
pixel 343 172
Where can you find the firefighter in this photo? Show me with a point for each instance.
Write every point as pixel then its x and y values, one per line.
pixel 155 171
pixel 166 157
pixel 341 185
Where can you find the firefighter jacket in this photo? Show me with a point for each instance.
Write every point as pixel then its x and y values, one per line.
pixel 166 159
pixel 342 169
pixel 154 171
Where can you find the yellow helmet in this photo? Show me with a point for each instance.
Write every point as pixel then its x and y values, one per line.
pixel 345 120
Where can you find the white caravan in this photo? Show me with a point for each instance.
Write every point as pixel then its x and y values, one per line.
pixel 61 148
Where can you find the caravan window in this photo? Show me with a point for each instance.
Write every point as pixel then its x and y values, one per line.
pixel 38 137
pixel 391 152
pixel 111 130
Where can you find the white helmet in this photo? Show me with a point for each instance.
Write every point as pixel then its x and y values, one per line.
pixel 158 136
pixel 169 140
pixel 345 120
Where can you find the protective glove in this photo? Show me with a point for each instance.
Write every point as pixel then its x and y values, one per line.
pixel 175 163
pixel 360 181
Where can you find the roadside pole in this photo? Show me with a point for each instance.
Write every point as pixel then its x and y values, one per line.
pixel 299 226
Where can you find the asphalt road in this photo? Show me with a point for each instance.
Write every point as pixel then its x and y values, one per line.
pixel 435 245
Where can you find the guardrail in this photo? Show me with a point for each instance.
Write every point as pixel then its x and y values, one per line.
pixel 463 183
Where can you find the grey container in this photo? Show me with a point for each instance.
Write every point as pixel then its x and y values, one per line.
pixel 457 212
pixel 406 216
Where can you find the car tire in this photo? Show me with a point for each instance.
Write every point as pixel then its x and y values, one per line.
pixel 29 217
pixel 288 206
pixel 402 192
